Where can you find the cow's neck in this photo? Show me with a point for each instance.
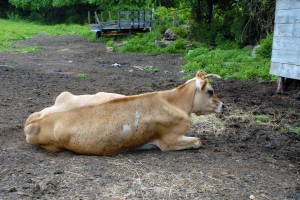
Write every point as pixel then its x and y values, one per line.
pixel 183 96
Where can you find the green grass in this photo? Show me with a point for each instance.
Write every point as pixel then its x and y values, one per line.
pixel 12 31
pixel 236 63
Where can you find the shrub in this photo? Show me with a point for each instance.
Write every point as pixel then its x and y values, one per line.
pixel 265 51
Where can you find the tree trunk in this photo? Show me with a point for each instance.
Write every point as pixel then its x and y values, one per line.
pixel 198 11
pixel 210 4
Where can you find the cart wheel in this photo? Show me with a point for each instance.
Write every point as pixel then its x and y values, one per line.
pixel 98 34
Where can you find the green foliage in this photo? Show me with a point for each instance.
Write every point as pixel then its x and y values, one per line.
pixel 140 43
pixel 225 44
pixel 128 5
pixel 227 63
pixel 164 19
pixel 145 43
pixel 265 51
pixel 181 32
pixel 13 17
pixel 110 43
pixel 178 46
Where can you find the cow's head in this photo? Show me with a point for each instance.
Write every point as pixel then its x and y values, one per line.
pixel 205 100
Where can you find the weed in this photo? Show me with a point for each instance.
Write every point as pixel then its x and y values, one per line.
pixel 296 129
pixel 283 130
pixel 82 75
pixel 151 68
pixel 262 118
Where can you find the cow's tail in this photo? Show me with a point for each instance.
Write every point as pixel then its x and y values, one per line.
pixel 32 128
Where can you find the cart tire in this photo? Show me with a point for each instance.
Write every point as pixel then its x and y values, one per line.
pixel 98 34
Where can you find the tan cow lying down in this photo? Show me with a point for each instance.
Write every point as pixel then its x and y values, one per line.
pixel 106 123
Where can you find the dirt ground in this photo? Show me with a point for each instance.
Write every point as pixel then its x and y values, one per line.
pixel 248 150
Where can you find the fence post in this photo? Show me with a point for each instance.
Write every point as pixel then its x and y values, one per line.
pixel 175 18
pixel 119 20
pixel 109 15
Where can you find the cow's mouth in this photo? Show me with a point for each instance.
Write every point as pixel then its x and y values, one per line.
pixel 220 108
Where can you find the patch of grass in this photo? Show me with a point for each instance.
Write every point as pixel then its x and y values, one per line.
pixel 12 31
pixel 283 130
pixel 292 129
pixel 151 68
pixel 296 130
pixel 82 75
pixel 145 43
pixel 29 49
pixel 262 118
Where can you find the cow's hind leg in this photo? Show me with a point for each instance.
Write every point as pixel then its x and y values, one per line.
pixel 180 143
pixel 52 148
pixel 147 147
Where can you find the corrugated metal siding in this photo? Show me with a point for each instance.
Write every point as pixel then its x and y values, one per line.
pixel 285 60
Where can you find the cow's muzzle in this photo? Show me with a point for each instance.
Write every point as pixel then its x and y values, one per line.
pixel 220 108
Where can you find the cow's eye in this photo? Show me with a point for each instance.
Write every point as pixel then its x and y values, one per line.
pixel 210 92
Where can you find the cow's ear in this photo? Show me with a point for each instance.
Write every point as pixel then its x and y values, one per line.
pixel 201 74
pixel 203 85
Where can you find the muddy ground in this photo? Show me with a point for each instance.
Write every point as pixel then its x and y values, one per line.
pixel 250 149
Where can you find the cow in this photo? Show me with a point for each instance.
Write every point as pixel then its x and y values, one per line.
pixel 107 124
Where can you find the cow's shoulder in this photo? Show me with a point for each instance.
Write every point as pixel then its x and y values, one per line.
pixel 63 97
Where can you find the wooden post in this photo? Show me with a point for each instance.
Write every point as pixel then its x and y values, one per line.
pixel 132 19
pixel 151 19
pixel 139 19
pixel 89 17
pixel 280 85
pixel 119 18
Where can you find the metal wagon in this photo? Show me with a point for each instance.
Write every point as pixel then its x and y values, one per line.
pixel 126 22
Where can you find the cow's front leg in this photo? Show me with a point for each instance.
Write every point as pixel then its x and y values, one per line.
pixel 180 143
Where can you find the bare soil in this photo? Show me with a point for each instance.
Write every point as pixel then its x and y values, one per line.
pixel 248 150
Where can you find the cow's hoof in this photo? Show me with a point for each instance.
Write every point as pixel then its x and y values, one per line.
pixel 198 144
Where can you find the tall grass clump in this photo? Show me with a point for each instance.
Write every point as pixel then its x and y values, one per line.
pixel 265 50
pixel 141 43
pixel 145 43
